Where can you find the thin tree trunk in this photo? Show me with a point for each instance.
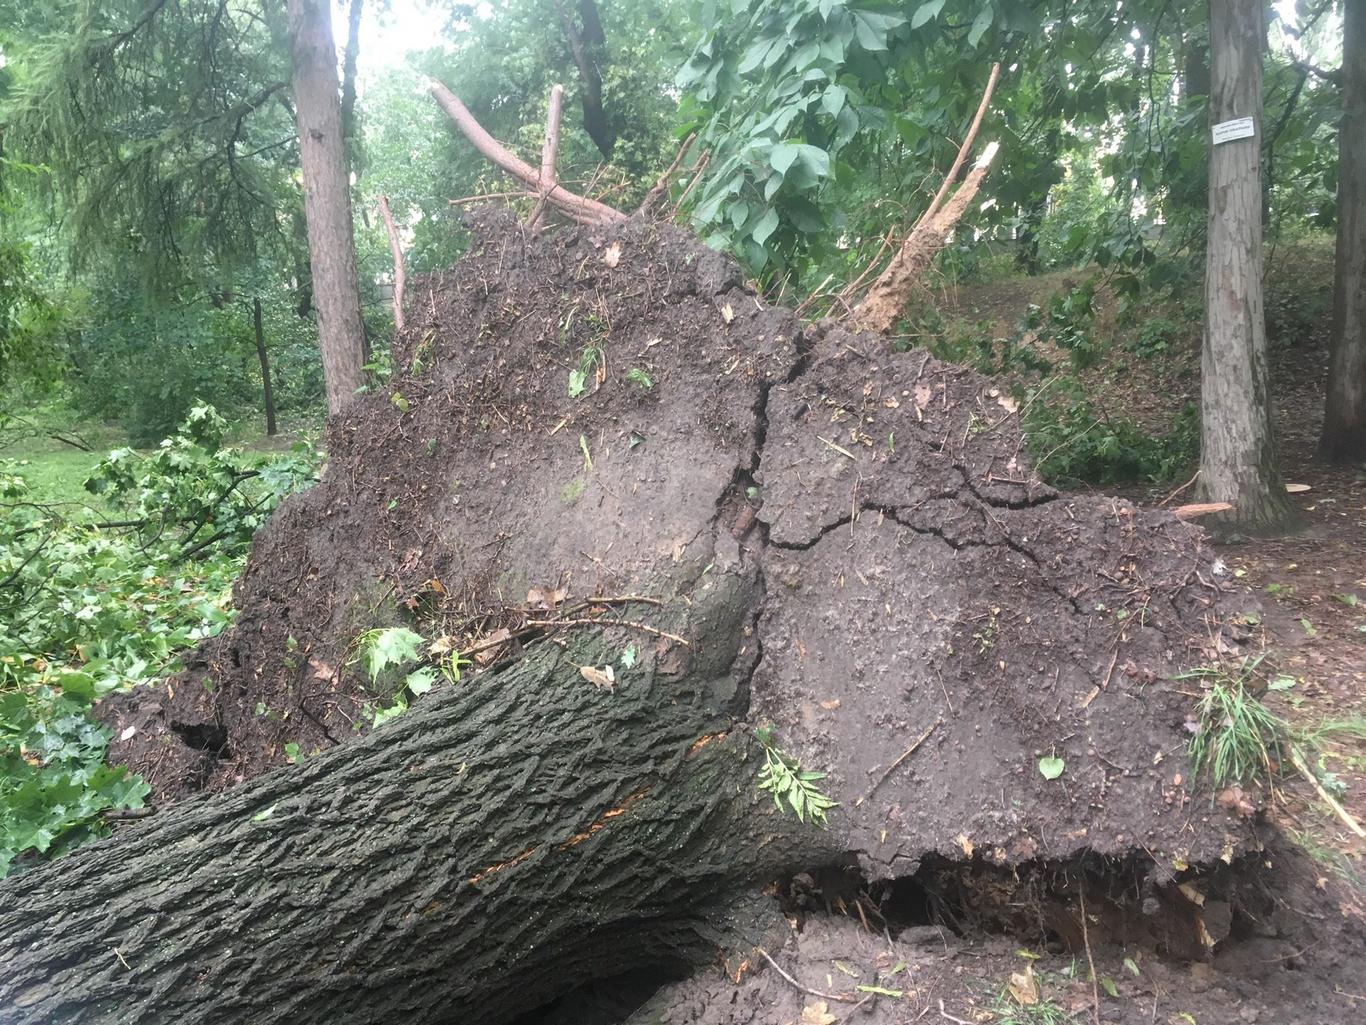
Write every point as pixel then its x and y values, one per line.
pixel 396 251
pixel 327 199
pixel 587 48
pixel 489 849
pixel 1344 420
pixel 350 58
pixel 267 394
pixel 1238 451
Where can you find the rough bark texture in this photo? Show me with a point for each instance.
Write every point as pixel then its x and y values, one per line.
pixel 465 863
pixel 263 357
pixel 350 59
pixel 1344 420
pixel 327 199
pixel 1238 448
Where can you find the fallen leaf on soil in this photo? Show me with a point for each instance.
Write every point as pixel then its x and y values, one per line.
pixel 830 706
pixel 1005 401
pixel 727 313
pixel 1235 800
pixel 1051 768
pixel 545 597
pixel 1023 986
pixel 604 677
pixel 612 254
pixel 817 1014
pixel 321 670
pixel 962 841
pixel 1297 489
pixel 495 648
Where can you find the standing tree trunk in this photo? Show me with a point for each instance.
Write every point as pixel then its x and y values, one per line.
pixel 267 394
pixel 327 199
pixel 587 47
pixel 350 57
pixel 1238 450
pixel 1344 419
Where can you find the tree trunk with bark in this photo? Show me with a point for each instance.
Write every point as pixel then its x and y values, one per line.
pixel 467 862
pixel 350 59
pixel 267 393
pixel 1238 450
pixel 1344 420
pixel 327 199
pixel 586 46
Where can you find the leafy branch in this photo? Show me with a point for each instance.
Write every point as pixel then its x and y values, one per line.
pixel 782 776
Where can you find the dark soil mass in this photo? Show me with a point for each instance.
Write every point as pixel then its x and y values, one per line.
pixel 619 415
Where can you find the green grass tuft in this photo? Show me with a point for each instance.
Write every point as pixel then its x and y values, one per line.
pixel 1237 739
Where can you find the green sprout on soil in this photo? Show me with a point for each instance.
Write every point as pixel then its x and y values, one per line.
pixel 1236 737
pixel 588 364
pixel 783 777
pixel 639 377
pixel 396 646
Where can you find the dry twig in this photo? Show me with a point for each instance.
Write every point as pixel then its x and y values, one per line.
pixel 893 767
pixel 844 998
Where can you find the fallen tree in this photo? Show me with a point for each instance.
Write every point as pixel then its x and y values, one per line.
pixel 680 535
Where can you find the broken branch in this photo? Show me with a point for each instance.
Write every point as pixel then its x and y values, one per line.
pixel 396 250
pixel 882 305
pixel 578 208
pixel 662 185
pixel 550 148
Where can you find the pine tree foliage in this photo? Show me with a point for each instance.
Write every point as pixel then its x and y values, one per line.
pixel 165 125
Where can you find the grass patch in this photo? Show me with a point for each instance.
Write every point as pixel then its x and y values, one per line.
pixel 1237 739
pixel 57 475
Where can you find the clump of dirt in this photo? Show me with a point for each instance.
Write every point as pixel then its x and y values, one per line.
pixel 569 416
pixel 609 421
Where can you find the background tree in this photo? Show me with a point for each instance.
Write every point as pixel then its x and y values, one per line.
pixel 327 199
pixel 167 175
pixel 1238 449
pixel 1344 421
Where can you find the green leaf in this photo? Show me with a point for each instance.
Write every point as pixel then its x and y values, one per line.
pixel 421 681
pixel 755 54
pixel 871 28
pixel 783 156
pixel 1051 767
pixel 1108 984
pixel 980 25
pixel 832 100
pixel 390 647
pixel 926 12
pixel 766 226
